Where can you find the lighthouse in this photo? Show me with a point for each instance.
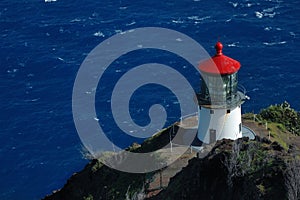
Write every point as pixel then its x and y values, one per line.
pixel 220 99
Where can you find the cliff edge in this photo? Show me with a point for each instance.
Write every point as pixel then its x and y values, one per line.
pixel 267 167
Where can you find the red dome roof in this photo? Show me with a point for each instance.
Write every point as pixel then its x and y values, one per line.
pixel 221 64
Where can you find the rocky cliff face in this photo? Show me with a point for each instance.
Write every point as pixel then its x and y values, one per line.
pixel 241 169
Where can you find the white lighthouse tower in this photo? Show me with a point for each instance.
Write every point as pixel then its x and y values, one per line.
pixel 220 99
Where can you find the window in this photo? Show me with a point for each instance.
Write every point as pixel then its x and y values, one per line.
pixel 228 111
pixel 240 127
pixel 212 112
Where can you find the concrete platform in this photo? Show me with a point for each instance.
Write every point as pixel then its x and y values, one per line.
pixel 191 123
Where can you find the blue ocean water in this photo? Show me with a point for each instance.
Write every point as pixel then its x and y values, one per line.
pixel 43 44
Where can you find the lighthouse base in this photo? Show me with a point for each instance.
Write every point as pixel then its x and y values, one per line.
pixel 216 124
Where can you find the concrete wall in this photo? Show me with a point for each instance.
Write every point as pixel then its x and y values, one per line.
pixel 226 125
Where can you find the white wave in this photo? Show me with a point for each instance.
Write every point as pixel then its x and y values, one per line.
pixel 267 12
pixel 76 20
pixel 234 4
pixel 197 18
pixel 271 15
pixel 269 9
pixel 32 100
pixel 12 71
pixel 193 17
pixel 233 44
pixel 61 59
pixel 293 34
pixel 259 14
pixel 274 43
pixel 118 31
pixel 268 28
pixel 178 21
pixel 48 1
pixel 99 34
pixel 248 5
pixel 132 23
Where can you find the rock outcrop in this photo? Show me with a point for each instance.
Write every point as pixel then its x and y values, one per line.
pixel 241 169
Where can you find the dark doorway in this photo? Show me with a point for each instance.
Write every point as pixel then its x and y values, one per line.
pixel 212 135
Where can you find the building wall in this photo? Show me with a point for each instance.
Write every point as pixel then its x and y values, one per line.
pixel 216 124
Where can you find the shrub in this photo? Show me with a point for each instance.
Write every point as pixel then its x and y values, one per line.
pixel 283 114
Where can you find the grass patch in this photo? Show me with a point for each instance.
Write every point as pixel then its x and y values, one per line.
pixel 279 134
pixel 261 188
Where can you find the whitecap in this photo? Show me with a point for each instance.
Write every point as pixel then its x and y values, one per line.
pixel 75 20
pixel 259 14
pixel 293 34
pixel 48 1
pixel 132 23
pixel 61 59
pixel 233 44
pixel 193 17
pixel 274 43
pixel 99 34
pixel 268 28
pixel 271 15
pixel 197 18
pixel 32 100
pixel 234 4
pixel 118 31
pixel 12 71
pixel 248 5
pixel 178 21
pixel 269 9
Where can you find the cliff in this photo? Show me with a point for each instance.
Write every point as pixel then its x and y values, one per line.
pixel 242 169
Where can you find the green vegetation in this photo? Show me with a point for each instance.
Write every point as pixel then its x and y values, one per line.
pixel 279 133
pixel 283 114
pixel 89 197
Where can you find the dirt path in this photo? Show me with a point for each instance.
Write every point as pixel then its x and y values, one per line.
pixel 161 179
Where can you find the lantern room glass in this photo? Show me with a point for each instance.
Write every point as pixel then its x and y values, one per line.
pixel 217 90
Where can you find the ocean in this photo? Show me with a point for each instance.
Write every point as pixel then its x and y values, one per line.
pixel 43 44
